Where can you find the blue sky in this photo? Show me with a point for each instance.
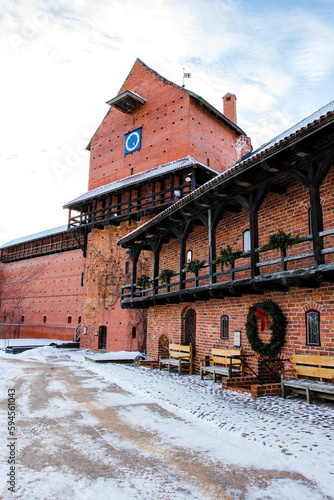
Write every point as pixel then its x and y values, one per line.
pixel 60 62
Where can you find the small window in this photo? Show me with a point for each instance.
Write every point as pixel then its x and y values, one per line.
pixel 22 319
pixel 313 327
pixel 134 332
pixel 69 319
pixel 224 327
pixel 189 255
pixel 44 319
pixel 82 278
pixel 246 240
pixel 127 267
pixel 79 320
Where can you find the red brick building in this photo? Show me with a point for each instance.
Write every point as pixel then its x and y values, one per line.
pixel 283 190
pixel 41 292
pixel 156 145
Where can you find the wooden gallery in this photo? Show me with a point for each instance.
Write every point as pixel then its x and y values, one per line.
pixel 187 236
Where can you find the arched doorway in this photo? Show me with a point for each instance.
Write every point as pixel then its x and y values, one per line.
pixel 103 337
pixel 190 328
pixel 163 347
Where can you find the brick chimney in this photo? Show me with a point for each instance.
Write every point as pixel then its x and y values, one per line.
pixel 230 107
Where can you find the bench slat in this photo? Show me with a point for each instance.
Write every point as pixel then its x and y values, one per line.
pixel 314 371
pixel 313 359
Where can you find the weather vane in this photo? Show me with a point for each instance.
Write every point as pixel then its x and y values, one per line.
pixel 185 75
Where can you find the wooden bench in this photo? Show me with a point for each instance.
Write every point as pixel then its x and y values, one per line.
pixel 180 357
pixel 224 363
pixel 315 366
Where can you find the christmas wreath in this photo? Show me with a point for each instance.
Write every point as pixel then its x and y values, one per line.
pixel 277 327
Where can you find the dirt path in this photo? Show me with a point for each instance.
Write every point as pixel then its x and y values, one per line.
pixel 76 441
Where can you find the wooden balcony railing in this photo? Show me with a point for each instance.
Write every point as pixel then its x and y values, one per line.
pixel 293 264
pixel 132 207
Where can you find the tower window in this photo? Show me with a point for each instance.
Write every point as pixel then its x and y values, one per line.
pixel 69 319
pixel 44 319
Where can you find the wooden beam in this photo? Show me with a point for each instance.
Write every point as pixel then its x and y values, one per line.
pixel 325 166
pixel 316 216
pixel 269 168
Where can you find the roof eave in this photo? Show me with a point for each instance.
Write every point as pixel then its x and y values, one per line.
pixel 215 111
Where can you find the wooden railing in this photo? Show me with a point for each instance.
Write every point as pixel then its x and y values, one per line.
pixel 130 207
pixel 296 261
pixel 58 246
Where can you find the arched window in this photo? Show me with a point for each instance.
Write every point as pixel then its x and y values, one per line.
pixel 246 241
pixel 312 318
pixel 69 319
pixel 189 255
pixel 133 332
pixel 44 319
pixel 224 321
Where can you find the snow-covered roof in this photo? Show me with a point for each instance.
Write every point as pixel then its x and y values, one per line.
pixel 240 166
pixel 36 236
pixel 182 163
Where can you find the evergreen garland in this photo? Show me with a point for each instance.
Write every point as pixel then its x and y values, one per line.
pixel 143 280
pixel 227 256
pixel 166 275
pixel 277 327
pixel 281 240
pixel 194 266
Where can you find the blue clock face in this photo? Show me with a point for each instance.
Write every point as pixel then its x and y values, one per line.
pixel 132 141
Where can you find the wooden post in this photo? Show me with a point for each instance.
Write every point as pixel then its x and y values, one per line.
pixel 212 248
pixel 156 247
pixel 254 239
pixel 134 255
pixel 316 216
pixel 182 234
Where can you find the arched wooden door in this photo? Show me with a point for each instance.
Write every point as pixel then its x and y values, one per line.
pixel 103 337
pixel 190 328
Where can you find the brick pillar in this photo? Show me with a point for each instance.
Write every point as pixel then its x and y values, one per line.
pixel 230 107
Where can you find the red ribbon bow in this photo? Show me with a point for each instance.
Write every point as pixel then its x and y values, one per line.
pixel 260 314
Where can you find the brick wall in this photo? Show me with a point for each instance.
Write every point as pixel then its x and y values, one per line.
pixel 169 320
pixel 105 273
pixel 288 212
pixel 40 296
pixel 174 125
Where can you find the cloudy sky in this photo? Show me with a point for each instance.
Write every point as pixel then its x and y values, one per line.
pixel 61 60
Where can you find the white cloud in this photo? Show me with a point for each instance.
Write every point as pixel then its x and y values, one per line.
pixel 60 61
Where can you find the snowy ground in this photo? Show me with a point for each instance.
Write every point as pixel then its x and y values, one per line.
pixel 284 447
